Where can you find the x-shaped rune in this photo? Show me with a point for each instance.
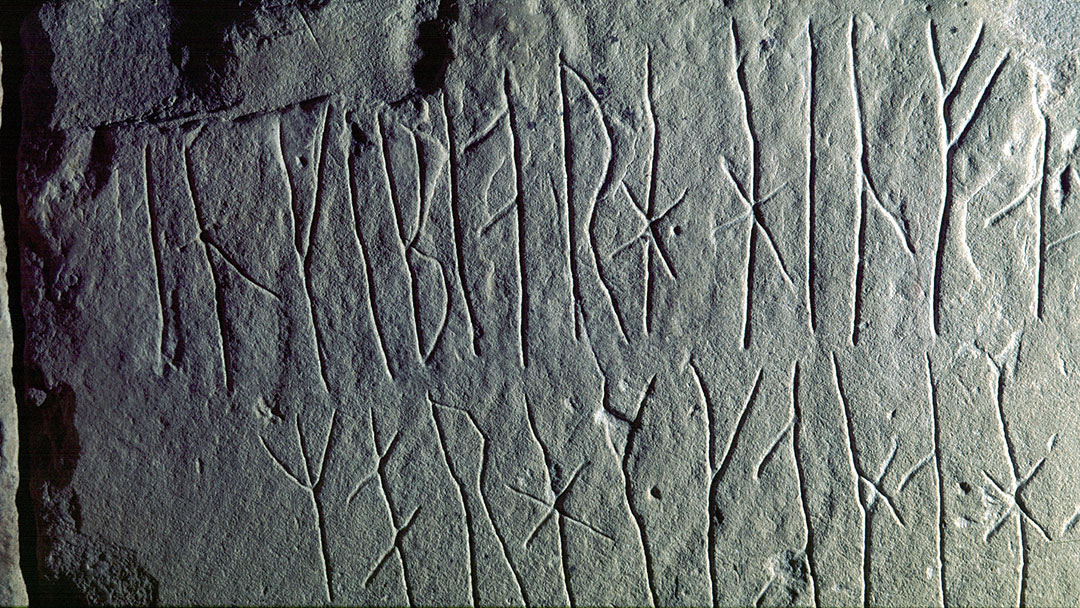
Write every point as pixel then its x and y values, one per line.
pixel 649 233
pixel 875 488
pixel 757 222
pixel 1014 501
pixel 395 547
pixel 557 508
pixel 872 489
pixel 1012 496
pixel 647 212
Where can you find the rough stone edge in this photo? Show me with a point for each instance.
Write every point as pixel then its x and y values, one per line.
pixel 12 586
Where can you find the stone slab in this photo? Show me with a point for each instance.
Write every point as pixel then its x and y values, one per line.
pixel 631 303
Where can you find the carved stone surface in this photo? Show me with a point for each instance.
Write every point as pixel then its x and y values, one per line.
pixel 632 303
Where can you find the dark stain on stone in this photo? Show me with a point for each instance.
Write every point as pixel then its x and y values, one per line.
pixel 75 569
pixel 203 37
pixel 83 571
pixel 436 41
pixel 102 159
pixel 360 140
pixel 56 440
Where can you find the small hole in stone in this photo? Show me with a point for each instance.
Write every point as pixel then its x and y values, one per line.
pixel 303 161
pixel 655 492
pixel 965 487
pixel 677 230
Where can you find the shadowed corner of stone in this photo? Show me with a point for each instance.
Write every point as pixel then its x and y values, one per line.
pixel 199 43
pixel 36 58
pixel 436 42
pixel 203 39
pixel 75 569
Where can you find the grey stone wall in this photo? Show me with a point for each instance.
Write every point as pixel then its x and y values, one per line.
pixel 610 303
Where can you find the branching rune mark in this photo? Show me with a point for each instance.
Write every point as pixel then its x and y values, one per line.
pixel 717 472
pixel 796 456
pixel 1012 492
pixel 365 265
pixel 219 296
pixel 869 490
pixel 935 437
pixel 314 476
pixel 568 199
pixel 303 241
pixel 159 278
pixel 711 456
pixel 516 206
pixel 849 432
pixel 406 242
pixel 456 228
pixel 866 190
pixel 811 178
pixel 633 427
pixel 519 204
pixel 460 485
pixel 949 138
